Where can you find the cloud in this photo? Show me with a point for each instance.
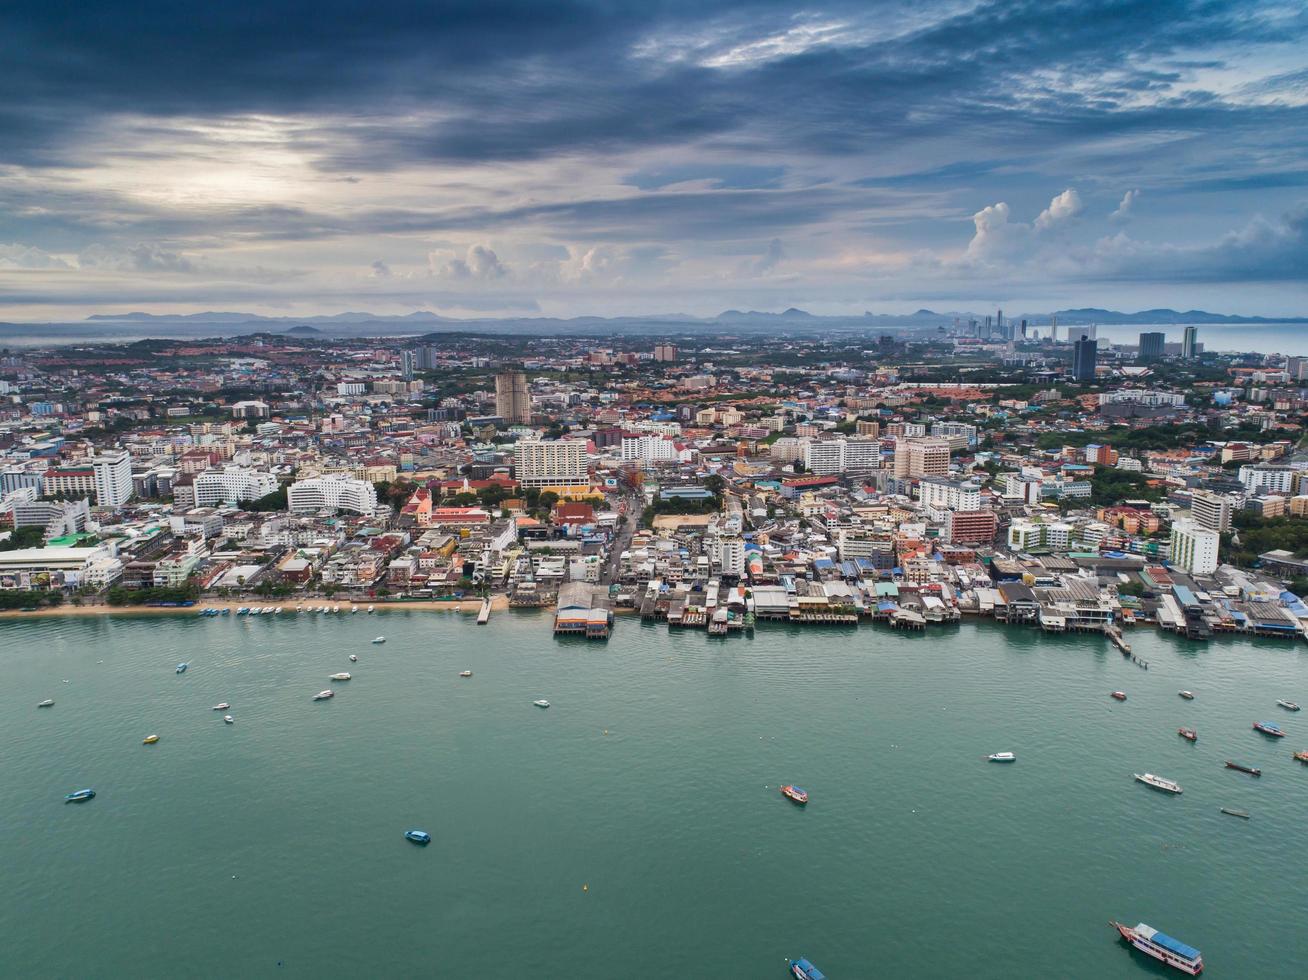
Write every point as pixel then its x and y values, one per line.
pixel 15 256
pixel 380 270
pixel 1061 210
pixel 769 260
pixel 478 262
pixel 140 257
pixel 1124 210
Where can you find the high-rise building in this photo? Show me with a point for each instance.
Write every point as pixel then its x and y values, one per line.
pixel 407 361
pixel 1151 346
pixel 921 457
pixel 1190 343
pixel 1296 368
pixel 1084 353
pixel 231 485
pixel 665 352
pixel 427 358
pixel 1212 510
pixel 550 463
pixel 113 478
pixel 512 400
pixel 1194 548
pixel 331 492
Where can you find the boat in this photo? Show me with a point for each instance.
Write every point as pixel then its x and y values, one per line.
pixel 1002 757
pixel 254 611
pixel 353 610
pixel 1158 782
pixel 1118 695
pixel 149 739
pixel 1288 705
pixel 1189 734
pixel 336 609
pixel 542 703
pixel 465 673
pixel 342 676
pixel 370 610
pixel 379 639
pixel 1161 947
pixel 802 969
pixel 1241 767
pixel 1268 728
pixel 1188 695
pixel 324 695
pixel 243 611
pixel 221 707
pixel 228 719
pixel 181 668
pixel 80 796
pixel 794 794
pixel 1235 813
pixel 418 837
pixel 47 703
pixel 1301 756
pixel 353 659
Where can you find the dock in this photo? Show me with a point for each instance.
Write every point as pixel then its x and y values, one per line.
pixel 483 617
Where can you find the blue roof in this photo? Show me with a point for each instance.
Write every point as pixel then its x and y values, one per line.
pixel 823 563
pixel 1176 946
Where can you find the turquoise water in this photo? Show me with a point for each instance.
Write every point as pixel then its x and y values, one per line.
pixel 273 846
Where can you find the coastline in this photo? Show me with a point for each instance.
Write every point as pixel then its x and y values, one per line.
pixel 499 603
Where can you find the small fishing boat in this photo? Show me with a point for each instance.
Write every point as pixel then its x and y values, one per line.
pixel 542 703
pixel 1118 695
pixel 353 610
pixel 1188 695
pixel 794 794
pixel 324 695
pixel 221 707
pixel 336 609
pixel 1241 767
pixel 370 610
pixel 353 659
pixel 181 668
pixel 1171 951
pixel 47 703
pixel 255 611
pixel 149 739
pixel 379 639
pixel 1301 756
pixel 81 796
pixel 1189 734
pixel 418 837
pixel 1235 813
pixel 1288 705
pixel 1158 782
pixel 1267 728
pixel 465 673
pixel 802 969
pixel 243 611
pixel 342 676
pixel 1002 757
pixel 229 720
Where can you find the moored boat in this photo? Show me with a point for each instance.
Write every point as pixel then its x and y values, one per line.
pixel 1188 695
pixel 1268 728
pixel 379 639
pixel 47 703
pixel 418 837
pixel 1002 757
pixel 1301 757
pixel 542 703
pixel 229 720
pixel 1158 782
pixel 1241 767
pixel 353 659
pixel 1189 734
pixel 149 739
pixel 221 707
pixel 324 695
pixel 465 673
pixel 802 969
pixel 80 796
pixel 1162 947
pixel 181 668
pixel 342 676
pixel 1118 695
pixel 1288 705
pixel 794 794
pixel 1235 813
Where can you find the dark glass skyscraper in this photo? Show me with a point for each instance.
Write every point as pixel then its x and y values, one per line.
pixel 1151 346
pixel 1084 352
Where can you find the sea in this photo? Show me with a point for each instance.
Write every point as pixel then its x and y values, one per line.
pixel 635 828
pixel 1290 339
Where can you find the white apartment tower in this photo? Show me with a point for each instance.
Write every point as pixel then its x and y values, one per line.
pixel 550 463
pixel 1194 548
pixel 113 478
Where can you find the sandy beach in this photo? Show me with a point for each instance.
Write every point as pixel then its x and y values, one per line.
pixel 498 603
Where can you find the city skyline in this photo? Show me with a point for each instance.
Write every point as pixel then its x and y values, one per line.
pixel 579 159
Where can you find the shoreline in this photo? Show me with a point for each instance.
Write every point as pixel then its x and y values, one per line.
pixel 499 603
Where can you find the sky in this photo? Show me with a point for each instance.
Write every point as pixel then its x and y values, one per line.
pixel 570 158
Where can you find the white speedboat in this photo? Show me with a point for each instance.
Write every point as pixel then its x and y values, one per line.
pixel 1158 782
pixel 353 610
pixel 379 639
pixel 370 610
pixel 1288 705
pixel 324 695
pixel 221 707
pixel 1002 757
pixel 353 659
pixel 465 673
pixel 336 609
pixel 229 719
pixel 542 703
pixel 47 703
pixel 342 676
